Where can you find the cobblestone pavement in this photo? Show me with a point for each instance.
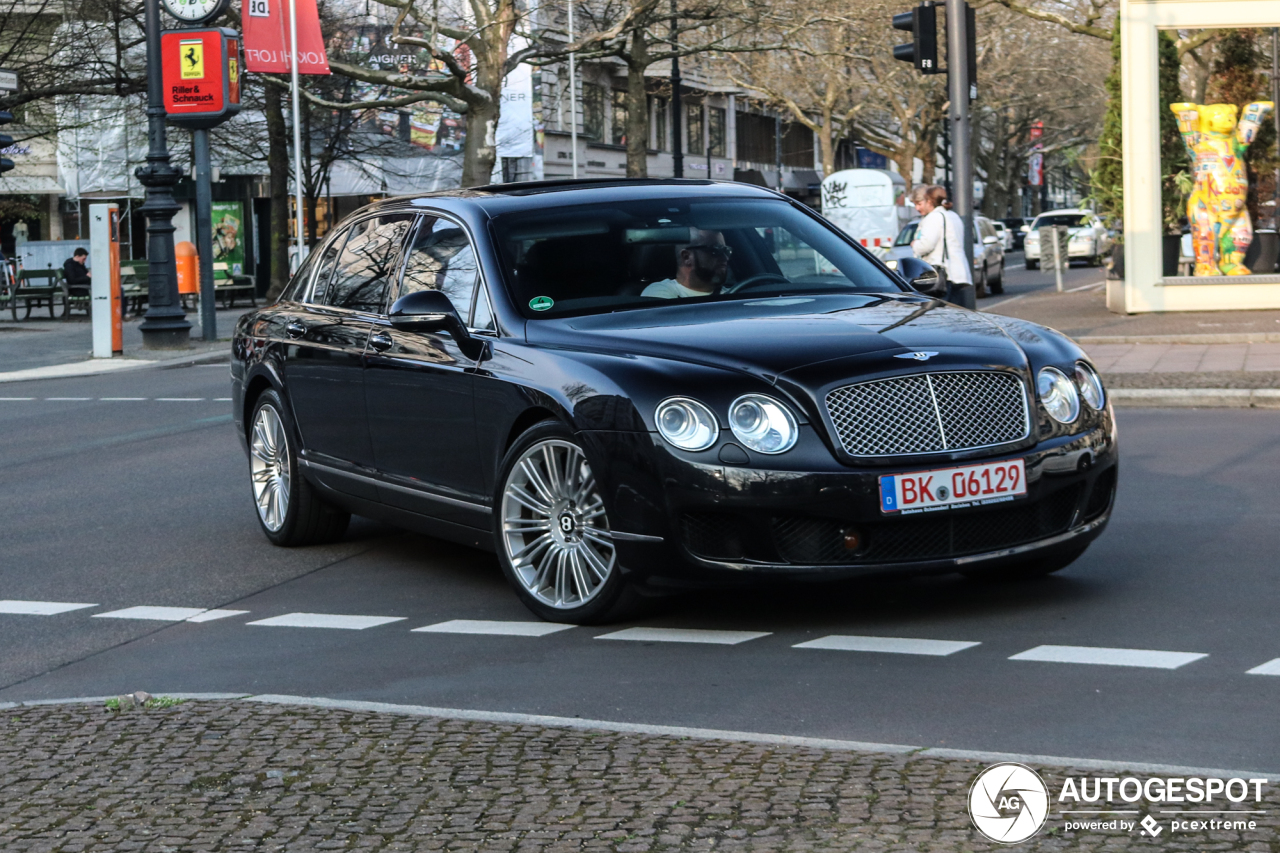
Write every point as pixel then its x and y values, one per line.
pixel 242 776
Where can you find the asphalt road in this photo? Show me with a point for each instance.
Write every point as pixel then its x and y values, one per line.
pixel 145 503
pixel 1020 281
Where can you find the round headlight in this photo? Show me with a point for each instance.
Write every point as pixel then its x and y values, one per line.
pixel 763 424
pixel 1058 395
pixel 686 423
pixel 1090 386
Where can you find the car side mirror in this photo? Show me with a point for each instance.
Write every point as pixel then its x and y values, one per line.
pixel 432 311
pixel 922 277
pixel 1025 229
pixel 990 240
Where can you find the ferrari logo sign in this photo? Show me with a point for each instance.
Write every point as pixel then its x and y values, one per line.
pixel 191 58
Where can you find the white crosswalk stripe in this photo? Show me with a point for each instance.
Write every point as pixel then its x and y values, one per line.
pixel 326 620
pixel 40 608
pixel 1109 657
pixel 683 635
pixel 158 614
pixel 891 645
pixel 1271 667
pixel 485 626
pixel 212 615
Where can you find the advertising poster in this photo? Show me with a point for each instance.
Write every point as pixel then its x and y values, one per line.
pixel 228 241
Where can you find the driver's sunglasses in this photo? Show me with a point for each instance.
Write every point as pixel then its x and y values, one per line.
pixel 719 251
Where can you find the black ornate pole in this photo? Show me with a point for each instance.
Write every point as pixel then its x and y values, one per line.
pixel 165 325
pixel 677 142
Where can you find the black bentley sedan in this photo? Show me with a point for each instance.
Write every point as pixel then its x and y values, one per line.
pixel 631 387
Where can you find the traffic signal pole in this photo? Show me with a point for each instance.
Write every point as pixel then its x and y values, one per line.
pixel 958 91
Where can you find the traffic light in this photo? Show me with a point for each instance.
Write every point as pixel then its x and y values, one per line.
pixel 5 141
pixel 922 23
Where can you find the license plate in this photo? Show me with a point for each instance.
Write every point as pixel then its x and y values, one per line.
pixel 951 488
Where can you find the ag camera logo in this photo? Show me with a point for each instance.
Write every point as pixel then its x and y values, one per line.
pixel 1009 802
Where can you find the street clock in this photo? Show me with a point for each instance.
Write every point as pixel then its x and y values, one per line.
pixel 195 11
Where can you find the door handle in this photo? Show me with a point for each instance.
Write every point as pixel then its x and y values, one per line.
pixel 295 329
pixel 380 341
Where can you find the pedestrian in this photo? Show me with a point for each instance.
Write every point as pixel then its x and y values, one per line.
pixel 940 236
pixel 75 272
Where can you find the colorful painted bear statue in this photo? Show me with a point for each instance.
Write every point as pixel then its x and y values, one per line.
pixel 1220 228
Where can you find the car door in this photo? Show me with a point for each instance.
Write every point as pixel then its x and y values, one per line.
pixel 324 365
pixel 419 387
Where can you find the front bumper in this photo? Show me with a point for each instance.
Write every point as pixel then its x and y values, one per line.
pixel 681 523
pixel 1084 250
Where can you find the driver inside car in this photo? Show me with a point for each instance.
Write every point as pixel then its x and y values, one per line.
pixel 701 269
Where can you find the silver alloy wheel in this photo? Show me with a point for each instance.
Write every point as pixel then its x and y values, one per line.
pixel 269 464
pixel 554 527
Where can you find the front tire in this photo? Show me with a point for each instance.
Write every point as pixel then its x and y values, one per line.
pixel 552 531
pixel 290 511
pixel 1033 265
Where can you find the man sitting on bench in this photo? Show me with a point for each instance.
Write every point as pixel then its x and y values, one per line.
pixel 74 271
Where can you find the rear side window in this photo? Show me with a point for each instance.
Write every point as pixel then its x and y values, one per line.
pixel 324 269
pixel 366 263
pixel 442 258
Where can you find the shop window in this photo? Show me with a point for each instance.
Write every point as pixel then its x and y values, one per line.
pixel 619 105
pixel 592 111
pixel 694 143
pixel 716 127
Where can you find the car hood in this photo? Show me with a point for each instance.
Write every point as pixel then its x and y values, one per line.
pixel 771 336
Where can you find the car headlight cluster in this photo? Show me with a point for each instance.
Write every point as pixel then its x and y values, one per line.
pixel 1090 386
pixel 1061 397
pixel 761 423
pixel 687 423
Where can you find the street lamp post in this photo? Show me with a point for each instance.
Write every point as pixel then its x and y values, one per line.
pixel 165 325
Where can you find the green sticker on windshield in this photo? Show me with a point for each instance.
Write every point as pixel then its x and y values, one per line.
pixel 541 303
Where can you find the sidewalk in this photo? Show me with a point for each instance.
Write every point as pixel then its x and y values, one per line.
pixel 246 775
pixel 1177 359
pixel 44 349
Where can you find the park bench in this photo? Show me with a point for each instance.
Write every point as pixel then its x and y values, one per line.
pixel 133 286
pixel 36 288
pixel 226 285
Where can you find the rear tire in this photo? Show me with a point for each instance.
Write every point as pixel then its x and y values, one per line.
pixel 552 531
pixel 1035 567
pixel 290 511
pixel 980 288
pixel 997 284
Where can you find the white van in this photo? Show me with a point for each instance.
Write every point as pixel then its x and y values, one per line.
pixel 868 205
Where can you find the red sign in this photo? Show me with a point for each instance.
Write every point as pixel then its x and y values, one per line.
pixel 1037 130
pixel 201 70
pixel 266 37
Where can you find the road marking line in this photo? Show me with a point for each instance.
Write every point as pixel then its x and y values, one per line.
pixel 485 626
pixel 683 635
pixel 40 608
pixel 1271 667
pixel 159 614
pixel 210 615
pixel 14 399
pixel 179 399
pixel 1109 657
pixel 68 399
pixel 892 645
pixel 222 399
pixel 115 399
pixel 326 620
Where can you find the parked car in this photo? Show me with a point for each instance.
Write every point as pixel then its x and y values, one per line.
pixel 988 258
pixel 1005 235
pixel 1087 238
pixel 484 366
pixel 1017 226
pixel 988 254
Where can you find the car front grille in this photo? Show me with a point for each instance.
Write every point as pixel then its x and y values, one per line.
pixel 929 413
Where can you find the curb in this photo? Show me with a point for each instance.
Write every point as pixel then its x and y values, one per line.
pixel 1224 338
pixel 510 718
pixel 100 366
pixel 1206 398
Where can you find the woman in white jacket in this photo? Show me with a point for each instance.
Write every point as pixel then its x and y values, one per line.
pixel 940 235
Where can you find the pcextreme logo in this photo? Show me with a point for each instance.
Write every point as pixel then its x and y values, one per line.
pixel 1009 802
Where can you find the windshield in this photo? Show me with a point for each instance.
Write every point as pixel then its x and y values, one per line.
pixel 906 235
pixel 598 258
pixel 1071 220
